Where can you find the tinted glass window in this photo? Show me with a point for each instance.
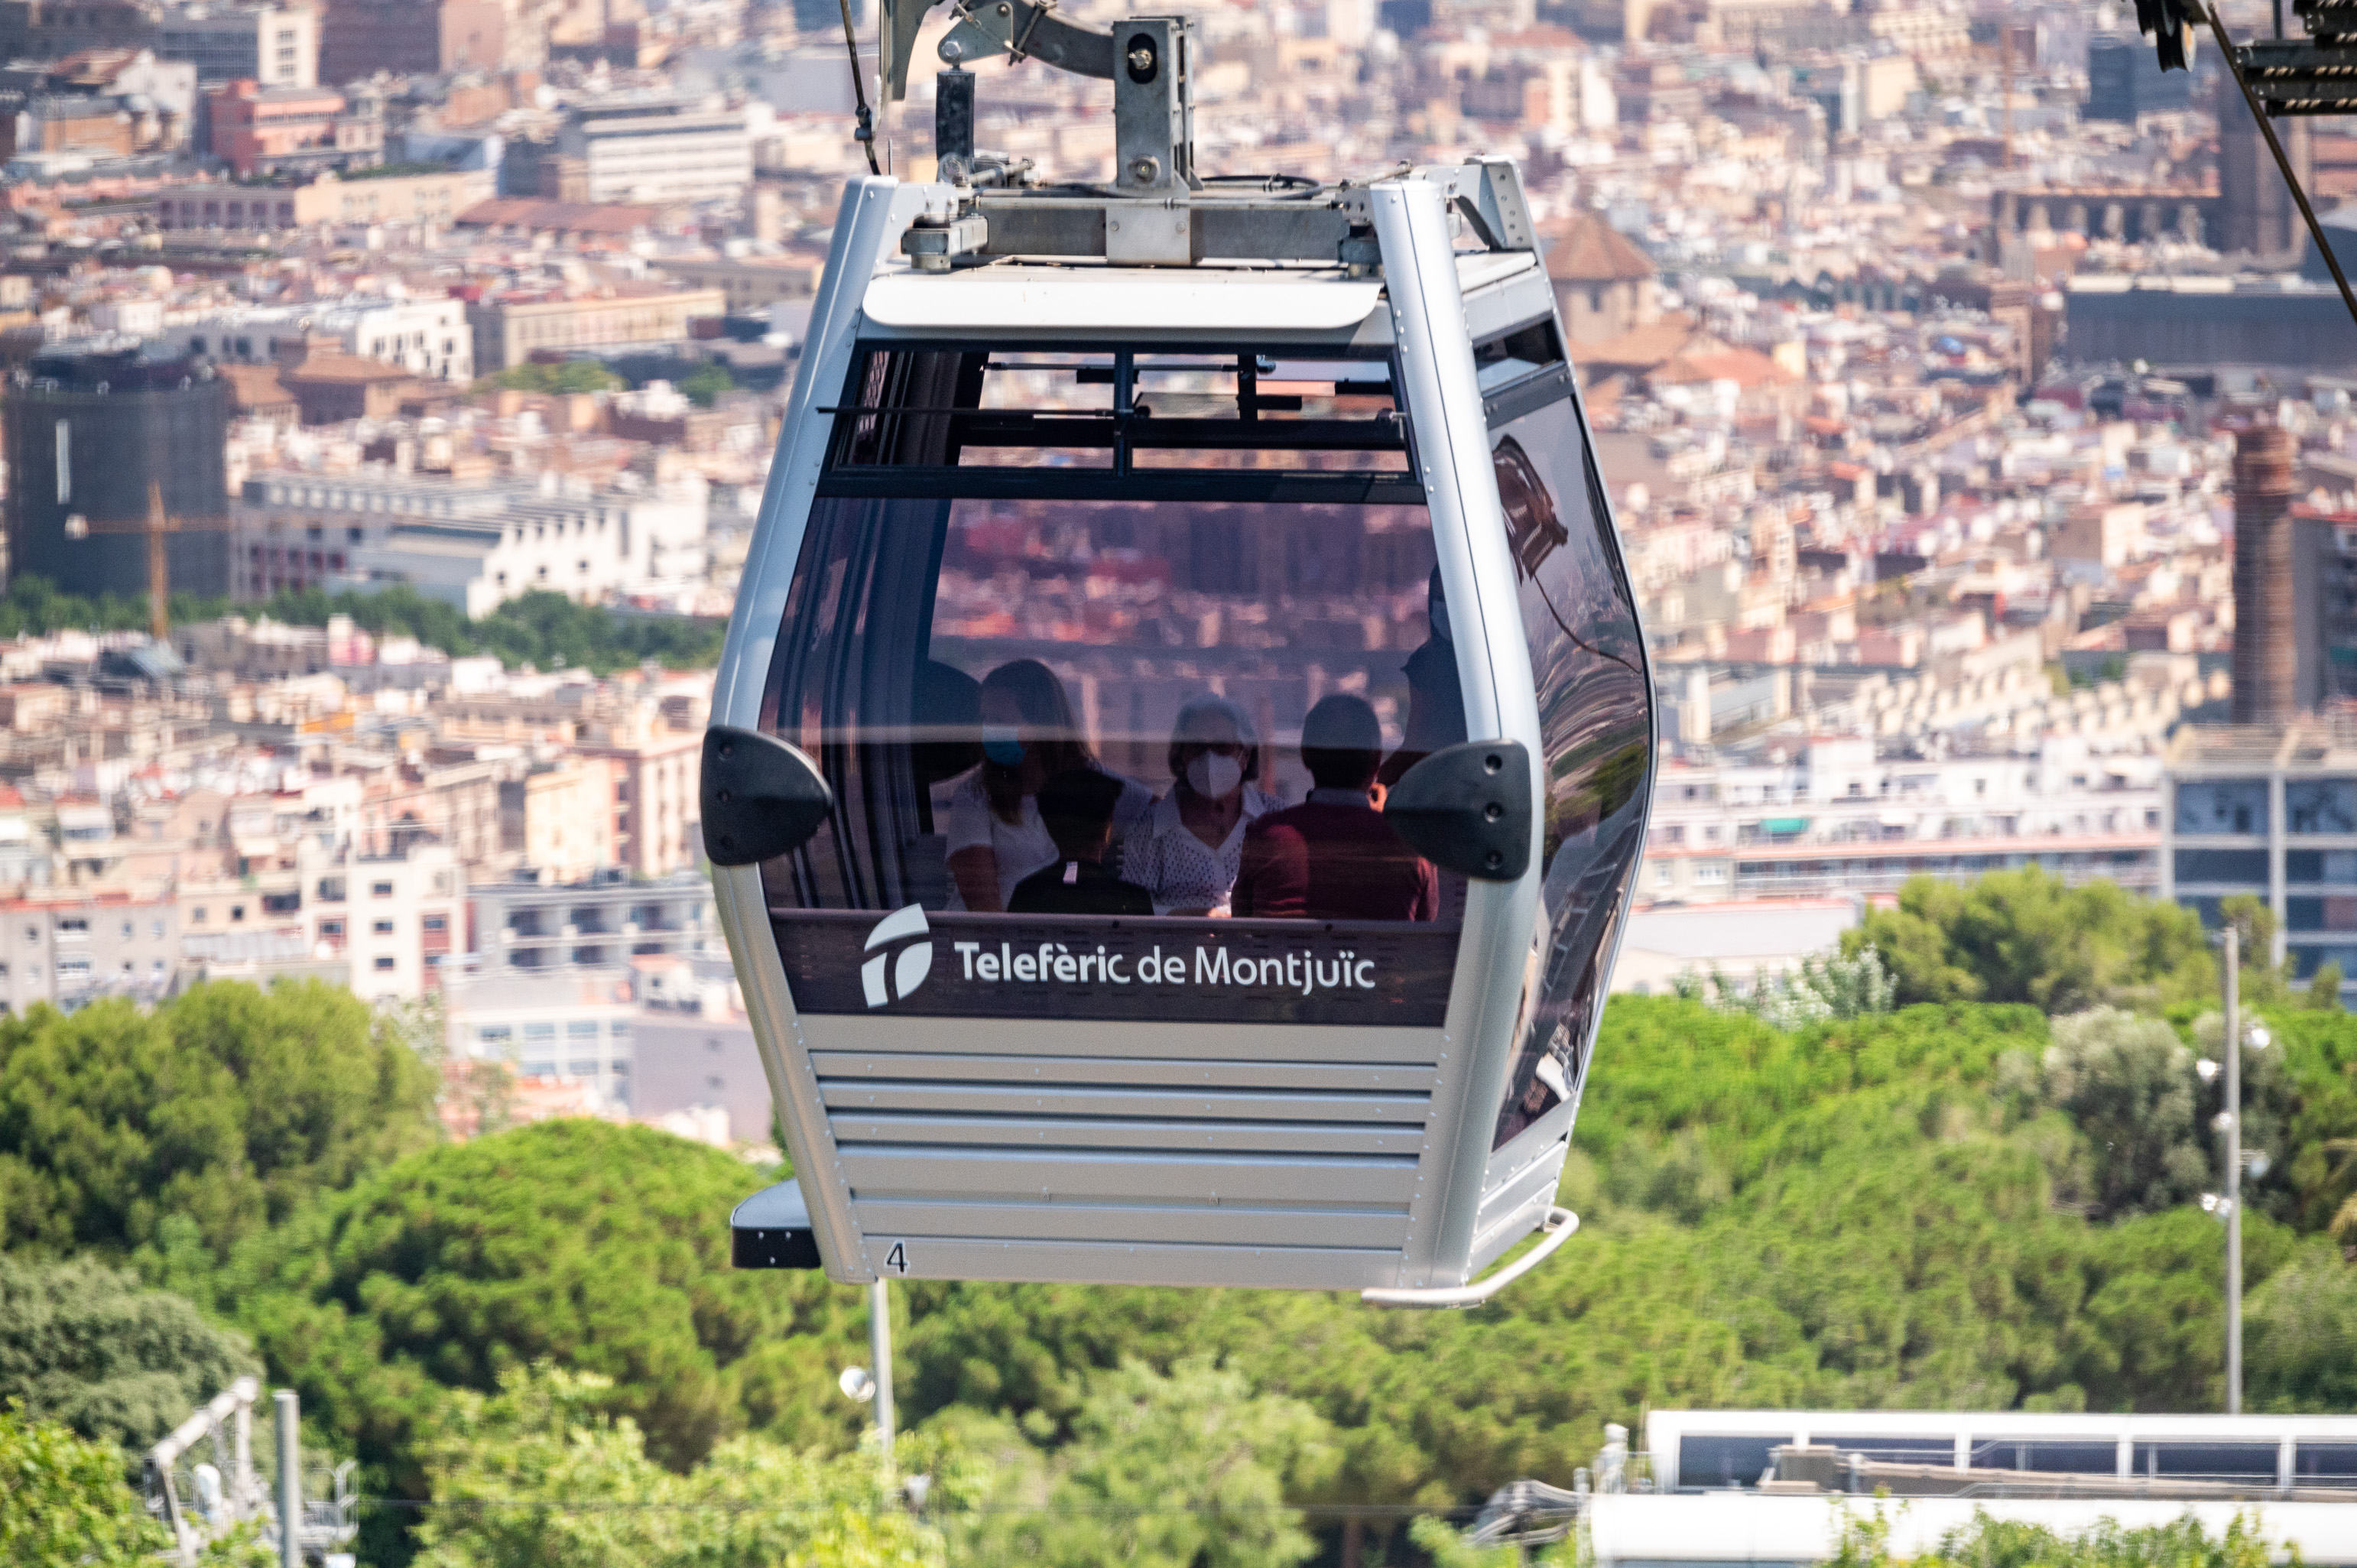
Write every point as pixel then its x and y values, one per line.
pixel 2328 865
pixel 2075 1458
pixel 1595 725
pixel 1109 751
pixel 2210 1461
pixel 2325 1464
pixel 1895 1450
pixel 1726 1461
pixel 2320 806
pixel 2222 866
pixel 2221 806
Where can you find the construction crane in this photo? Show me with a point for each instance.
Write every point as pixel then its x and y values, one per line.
pixel 155 525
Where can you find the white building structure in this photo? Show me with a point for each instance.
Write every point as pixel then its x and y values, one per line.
pixel 1837 815
pixel 427 337
pixel 264 44
pixel 658 149
pixel 473 546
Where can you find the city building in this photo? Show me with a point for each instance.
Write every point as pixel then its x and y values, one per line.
pixel 2270 813
pixel 656 812
pixel 258 130
pixel 425 37
pixel 42 29
pixel 658 150
pixel 589 546
pixel 750 284
pixel 434 198
pixel 575 1028
pixel 559 818
pixel 87 435
pixel 511 331
pixel 533 922
pixel 2124 81
pixel 271 46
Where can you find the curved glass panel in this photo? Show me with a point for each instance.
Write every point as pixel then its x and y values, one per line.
pixel 1595 726
pixel 1103 732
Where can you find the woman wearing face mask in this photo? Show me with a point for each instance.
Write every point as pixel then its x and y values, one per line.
pixel 1186 852
pixel 1028 735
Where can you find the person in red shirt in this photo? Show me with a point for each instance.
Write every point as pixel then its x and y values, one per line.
pixel 1333 858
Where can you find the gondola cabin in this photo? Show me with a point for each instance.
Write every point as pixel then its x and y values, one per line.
pixel 1183 745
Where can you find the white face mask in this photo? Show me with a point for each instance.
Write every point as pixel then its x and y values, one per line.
pixel 1214 777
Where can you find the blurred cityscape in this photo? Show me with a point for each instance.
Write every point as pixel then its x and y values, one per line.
pixel 1937 353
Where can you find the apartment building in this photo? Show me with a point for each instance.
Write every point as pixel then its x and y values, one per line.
pixel 559 816
pixel 573 1028
pixel 69 948
pixel 435 197
pixel 258 130
pixel 411 38
pixel 509 331
pixel 2271 814
pixel 602 921
pixel 658 149
pixel 382 924
pixel 272 45
pixel 657 817
pixel 1840 816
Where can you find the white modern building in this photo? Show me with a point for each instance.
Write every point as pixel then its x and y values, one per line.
pixel 265 44
pixel 427 337
pixel 658 149
pixel 475 546
pixel 1842 815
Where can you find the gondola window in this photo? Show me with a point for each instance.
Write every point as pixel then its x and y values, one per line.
pixel 1102 654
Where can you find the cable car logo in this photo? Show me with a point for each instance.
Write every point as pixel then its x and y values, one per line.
pixel 890 975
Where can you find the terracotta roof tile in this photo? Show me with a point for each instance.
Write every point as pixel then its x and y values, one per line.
pixel 1587 250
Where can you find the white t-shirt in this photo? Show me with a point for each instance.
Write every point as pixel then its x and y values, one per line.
pixel 1021 847
pixel 1181 870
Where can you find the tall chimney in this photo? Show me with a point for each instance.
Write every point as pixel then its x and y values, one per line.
pixel 2266 656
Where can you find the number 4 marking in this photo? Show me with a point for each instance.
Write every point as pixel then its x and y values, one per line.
pixel 897 1260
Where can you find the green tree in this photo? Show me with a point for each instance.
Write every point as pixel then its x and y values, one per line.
pixel 2025 936
pixel 601 1248
pixel 704 385
pixel 541 1475
pixel 2128 1083
pixel 1990 1542
pixel 2301 1334
pixel 565 377
pixel 2324 988
pixel 543 630
pixel 1172 1472
pixel 85 1346
pixel 64 1504
pixel 226 1108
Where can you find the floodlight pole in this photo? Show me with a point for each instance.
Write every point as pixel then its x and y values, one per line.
pixel 2233 1174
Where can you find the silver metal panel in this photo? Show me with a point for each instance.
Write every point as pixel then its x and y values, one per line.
pixel 1509 1212
pixel 1298 1267
pixel 1160 1105
pixel 867 226
pixel 1496 304
pixel 1304 1078
pixel 793 1089
pixel 1226 1224
pixel 1136 1040
pixel 1477 567
pixel 888 1170
pixel 1025 1134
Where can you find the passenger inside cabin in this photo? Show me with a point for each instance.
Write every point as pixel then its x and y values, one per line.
pixel 1334 857
pixel 1077 807
pixel 995 836
pixel 1435 700
pixel 1185 852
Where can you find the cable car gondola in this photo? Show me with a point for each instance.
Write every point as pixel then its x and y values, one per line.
pixel 1125 546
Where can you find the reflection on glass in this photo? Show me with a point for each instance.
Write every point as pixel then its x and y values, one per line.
pixel 1074 736
pixel 2221 806
pixel 1596 727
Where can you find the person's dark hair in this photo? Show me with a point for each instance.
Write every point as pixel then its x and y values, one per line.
pixel 1075 806
pixel 1341 743
pixel 1056 740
